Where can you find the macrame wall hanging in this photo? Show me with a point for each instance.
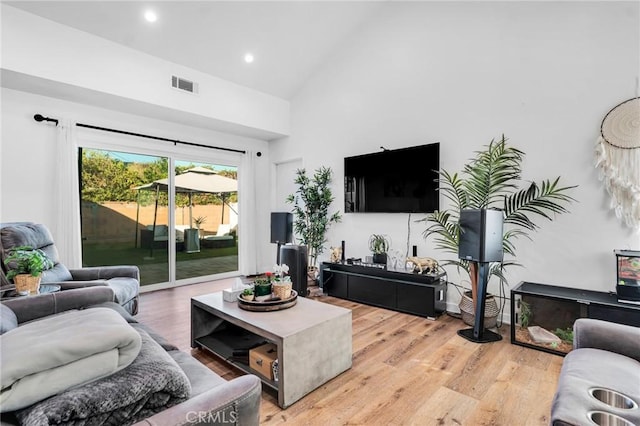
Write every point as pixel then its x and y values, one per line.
pixel 618 160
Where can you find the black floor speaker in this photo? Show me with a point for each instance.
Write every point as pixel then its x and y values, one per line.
pixel 281 227
pixel 295 257
pixel 481 235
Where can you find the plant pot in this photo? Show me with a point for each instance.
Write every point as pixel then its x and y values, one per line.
pixel 282 290
pixel 467 310
pixel 248 297
pixel 27 282
pixel 380 258
pixel 262 292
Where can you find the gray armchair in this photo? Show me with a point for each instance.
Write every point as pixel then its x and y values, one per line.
pixel 123 280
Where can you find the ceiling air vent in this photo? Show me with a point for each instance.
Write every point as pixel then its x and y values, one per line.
pixel 183 84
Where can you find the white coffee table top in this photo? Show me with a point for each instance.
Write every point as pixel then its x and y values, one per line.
pixel 305 314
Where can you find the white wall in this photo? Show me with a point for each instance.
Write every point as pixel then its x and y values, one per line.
pixel 27 169
pixel 543 74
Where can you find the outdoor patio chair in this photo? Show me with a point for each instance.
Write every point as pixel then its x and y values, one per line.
pixel 123 280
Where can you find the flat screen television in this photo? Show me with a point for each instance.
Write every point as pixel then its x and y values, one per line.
pixel 393 181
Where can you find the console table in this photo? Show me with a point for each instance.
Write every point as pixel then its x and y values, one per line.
pixel 419 294
pixel 552 307
pixel 313 340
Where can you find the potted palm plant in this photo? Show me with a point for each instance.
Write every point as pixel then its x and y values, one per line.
pixel 312 219
pixel 25 265
pixel 492 179
pixel 379 246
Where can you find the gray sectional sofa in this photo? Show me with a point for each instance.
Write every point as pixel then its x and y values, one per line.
pixel 600 379
pixel 211 400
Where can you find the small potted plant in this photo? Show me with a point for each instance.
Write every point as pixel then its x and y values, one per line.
pixel 247 294
pixel 282 284
pixel 262 287
pixel 25 265
pixel 379 246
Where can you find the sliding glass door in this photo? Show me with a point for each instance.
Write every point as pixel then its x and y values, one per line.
pixel 206 218
pixel 173 227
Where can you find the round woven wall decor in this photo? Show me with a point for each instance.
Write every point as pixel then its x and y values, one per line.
pixel 621 126
pixel 618 160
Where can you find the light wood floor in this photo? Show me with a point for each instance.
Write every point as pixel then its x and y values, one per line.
pixel 406 370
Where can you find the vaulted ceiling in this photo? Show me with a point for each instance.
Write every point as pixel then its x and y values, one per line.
pixel 288 39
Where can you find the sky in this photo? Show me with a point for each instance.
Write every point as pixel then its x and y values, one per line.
pixel 139 158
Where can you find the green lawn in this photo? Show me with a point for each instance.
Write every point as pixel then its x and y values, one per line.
pixel 126 254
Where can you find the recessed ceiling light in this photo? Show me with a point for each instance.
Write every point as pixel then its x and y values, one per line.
pixel 150 16
pixel 248 58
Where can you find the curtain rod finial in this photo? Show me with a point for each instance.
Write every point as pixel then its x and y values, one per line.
pixel 40 117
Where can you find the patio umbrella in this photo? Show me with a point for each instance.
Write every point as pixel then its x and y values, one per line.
pixel 197 180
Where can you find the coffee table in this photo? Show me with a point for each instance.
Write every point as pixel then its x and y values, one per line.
pixel 314 340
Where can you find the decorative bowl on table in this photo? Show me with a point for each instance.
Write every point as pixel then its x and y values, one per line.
pixel 272 304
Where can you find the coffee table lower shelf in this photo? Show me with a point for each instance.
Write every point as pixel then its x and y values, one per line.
pixel 222 349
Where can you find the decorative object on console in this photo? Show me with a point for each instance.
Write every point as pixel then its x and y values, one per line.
pixel 618 159
pixel 311 203
pixel 25 266
pixel 379 246
pixel 493 179
pixel 336 254
pixel 423 264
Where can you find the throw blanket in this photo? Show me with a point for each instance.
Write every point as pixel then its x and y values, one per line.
pixel 152 383
pixel 44 357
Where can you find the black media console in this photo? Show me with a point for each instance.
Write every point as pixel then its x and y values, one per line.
pixel 419 294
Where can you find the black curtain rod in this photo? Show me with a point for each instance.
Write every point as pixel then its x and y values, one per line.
pixel 39 117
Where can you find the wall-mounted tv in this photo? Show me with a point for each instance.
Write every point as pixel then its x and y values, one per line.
pixel 393 181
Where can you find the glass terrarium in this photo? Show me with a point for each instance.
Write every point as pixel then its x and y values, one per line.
pixel 628 276
pixel 544 319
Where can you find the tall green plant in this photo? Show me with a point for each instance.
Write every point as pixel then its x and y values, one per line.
pixel 311 203
pixel 492 179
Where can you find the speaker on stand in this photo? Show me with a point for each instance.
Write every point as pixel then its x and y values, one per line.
pixel 281 230
pixel 481 232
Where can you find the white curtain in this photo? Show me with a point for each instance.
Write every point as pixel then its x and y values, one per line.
pixel 66 229
pixel 247 229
